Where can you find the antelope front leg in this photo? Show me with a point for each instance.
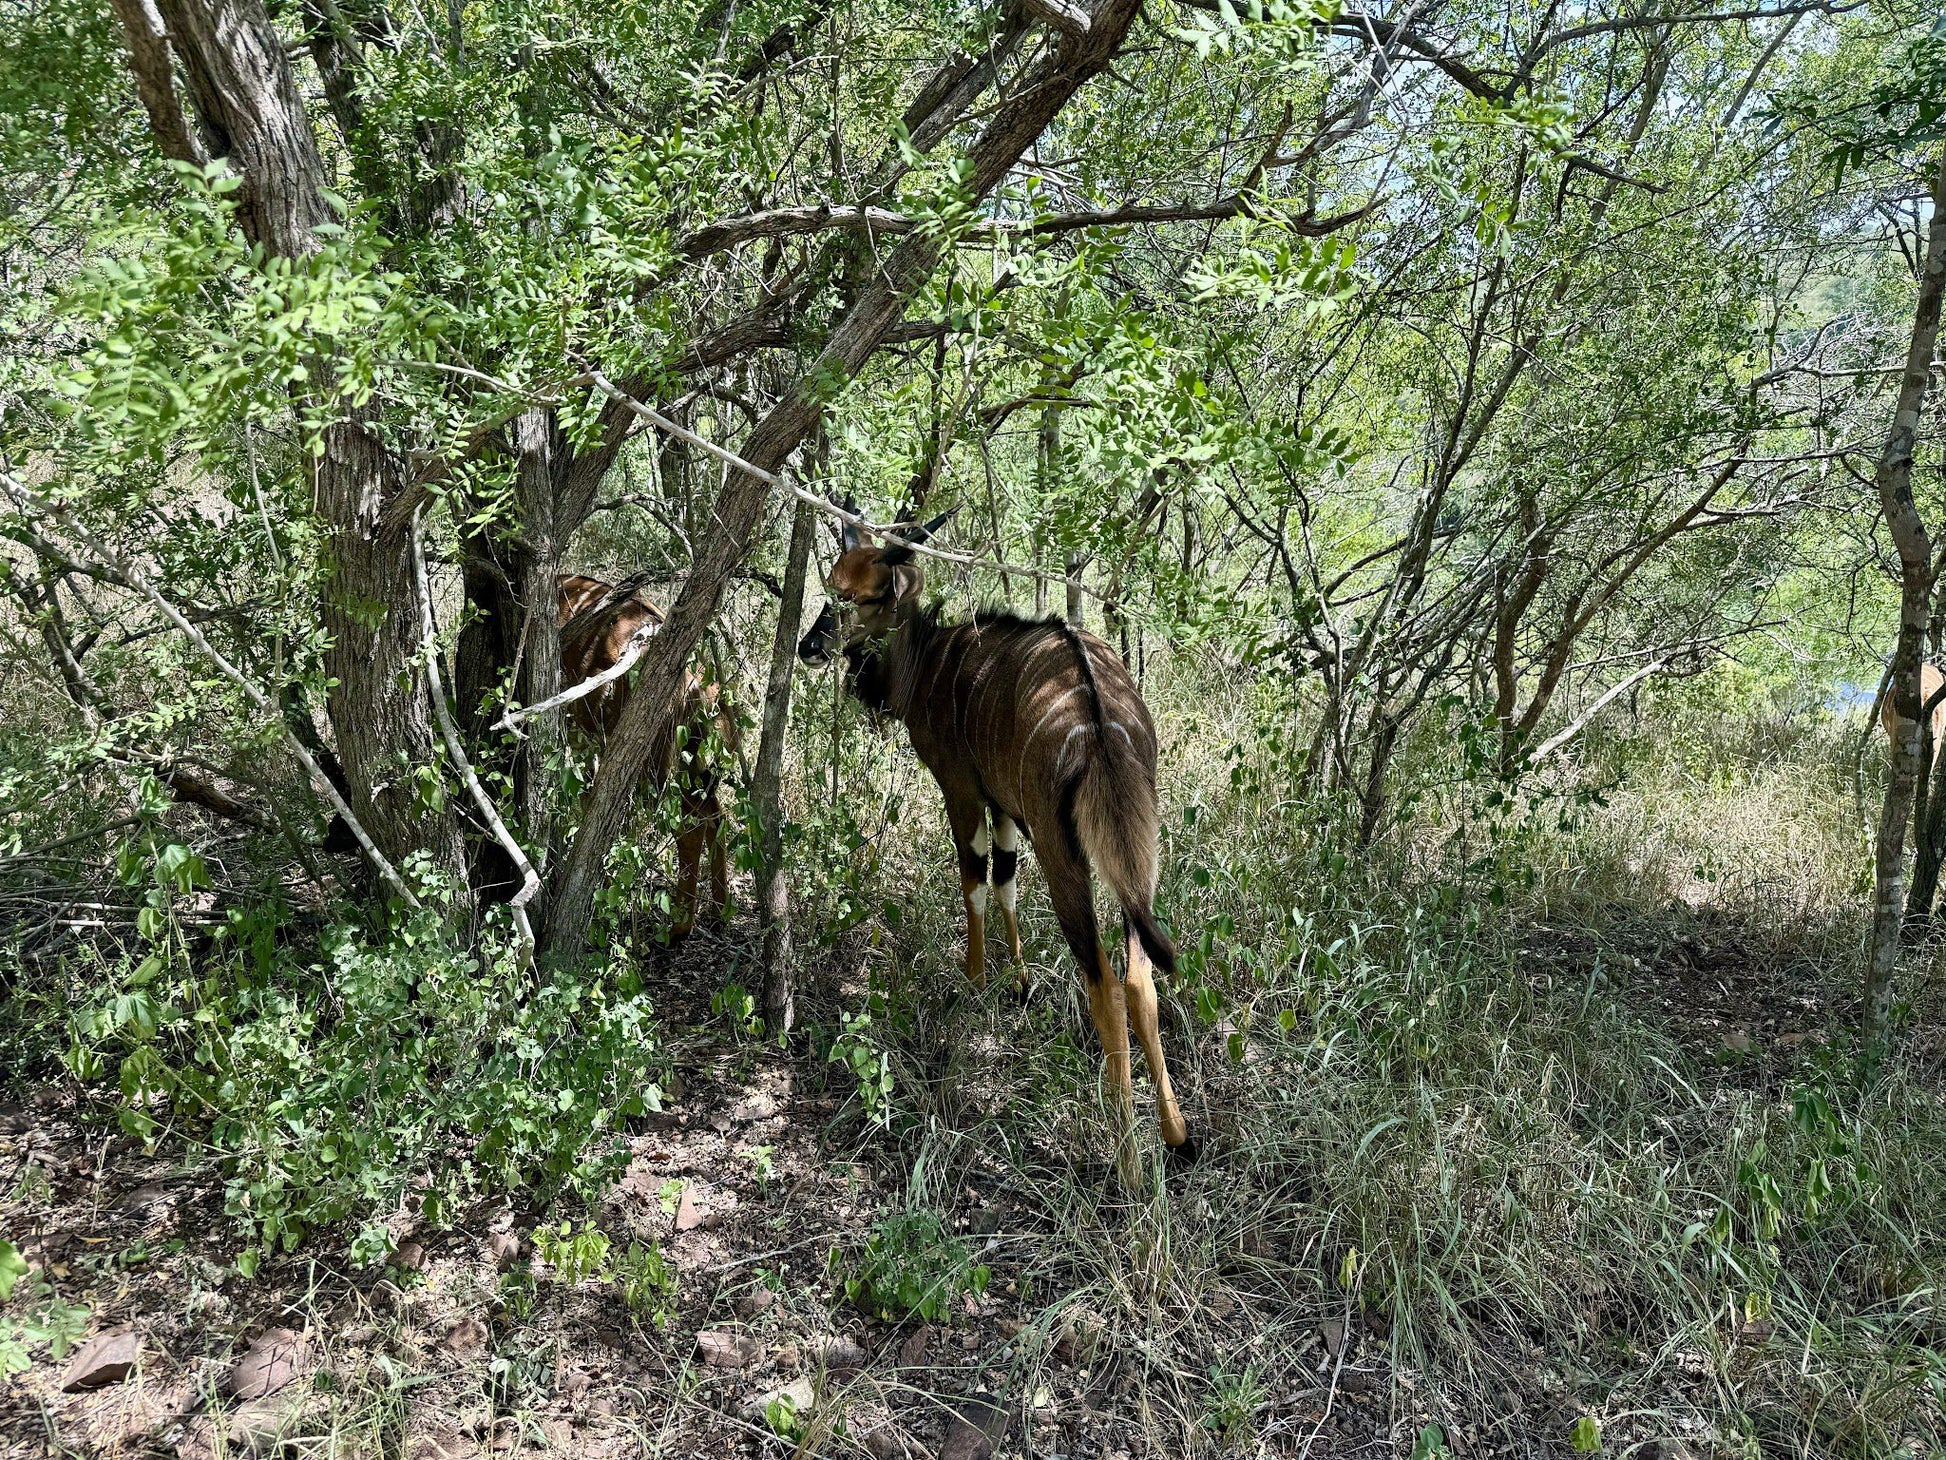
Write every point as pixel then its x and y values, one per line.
pixel 973 892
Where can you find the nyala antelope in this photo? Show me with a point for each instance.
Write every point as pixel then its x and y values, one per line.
pixel 1039 726
pixel 1931 682
pixel 597 623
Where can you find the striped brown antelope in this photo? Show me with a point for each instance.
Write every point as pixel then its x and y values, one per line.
pixel 1040 726
pixel 598 623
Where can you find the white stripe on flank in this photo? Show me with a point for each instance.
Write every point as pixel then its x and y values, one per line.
pixel 1061 759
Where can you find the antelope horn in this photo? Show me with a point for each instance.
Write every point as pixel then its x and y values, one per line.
pixel 901 552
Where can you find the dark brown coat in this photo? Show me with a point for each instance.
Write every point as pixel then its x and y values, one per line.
pixel 1039 727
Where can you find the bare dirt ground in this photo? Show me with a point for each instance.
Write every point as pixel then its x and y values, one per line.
pixel 748 1180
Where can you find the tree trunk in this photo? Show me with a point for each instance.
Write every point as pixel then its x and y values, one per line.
pixel 1075 615
pixel 776 996
pixel 377 699
pixel 243 89
pixel 1014 125
pixel 1894 481
pixel 1930 852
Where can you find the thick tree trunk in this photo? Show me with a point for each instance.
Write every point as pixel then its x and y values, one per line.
pixel 243 89
pixel 1894 481
pixel 776 993
pixel 1016 122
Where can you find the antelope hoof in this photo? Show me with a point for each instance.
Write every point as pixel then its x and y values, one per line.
pixel 1184 1156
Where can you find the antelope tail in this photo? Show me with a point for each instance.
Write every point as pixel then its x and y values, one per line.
pixel 1115 820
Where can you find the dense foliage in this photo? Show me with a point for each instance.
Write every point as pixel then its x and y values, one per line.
pixel 1463 418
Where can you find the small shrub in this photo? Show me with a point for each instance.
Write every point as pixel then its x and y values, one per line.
pixel 648 1283
pixel 574 1256
pixel 331 1089
pixel 1230 1407
pixel 911 1265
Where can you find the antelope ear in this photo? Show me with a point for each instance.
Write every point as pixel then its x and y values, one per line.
pixel 901 552
pixel 849 536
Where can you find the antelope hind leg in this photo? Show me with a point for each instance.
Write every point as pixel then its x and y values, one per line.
pixel 1108 1006
pixel 1006 866
pixel 1142 1014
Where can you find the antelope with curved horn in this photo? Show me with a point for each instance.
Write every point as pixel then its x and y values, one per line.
pixel 1038 726
pixel 598 624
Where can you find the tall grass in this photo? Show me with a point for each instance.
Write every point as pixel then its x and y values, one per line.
pixel 1544 1201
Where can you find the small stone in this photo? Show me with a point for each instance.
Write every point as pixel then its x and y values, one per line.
pixel 760 1106
pixel 723 1350
pixel 1219 1304
pixel 128 1416
pixel 260 1426
pixel 787 1359
pixel 843 1353
pixel 1333 1334
pixel 268 1364
pixel 467 1337
pixel 410 1257
pixel 970 1434
pixel 800 1394
pixel 912 1353
pixel 879 1433
pixel 104 1359
pixel 688 1218
pixel 359 1335
pixel 1080 1335
pixel 574 1383
pixel 1739 1039
pixel 602 1405
pixel 757 1300
pixel 503 1250
pixel 444 1443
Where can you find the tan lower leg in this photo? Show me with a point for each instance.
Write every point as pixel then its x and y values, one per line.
pixel 1110 1012
pixel 1010 925
pixel 1142 1015
pixel 974 895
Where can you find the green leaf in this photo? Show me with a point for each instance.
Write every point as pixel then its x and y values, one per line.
pixel 1586 1435
pixel 12 1268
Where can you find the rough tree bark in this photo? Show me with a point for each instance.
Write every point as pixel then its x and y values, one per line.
pixel 1013 126
pixel 776 996
pixel 1893 479
pixel 243 89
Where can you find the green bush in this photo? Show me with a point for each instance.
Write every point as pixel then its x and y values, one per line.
pixel 911 1265
pixel 329 1090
